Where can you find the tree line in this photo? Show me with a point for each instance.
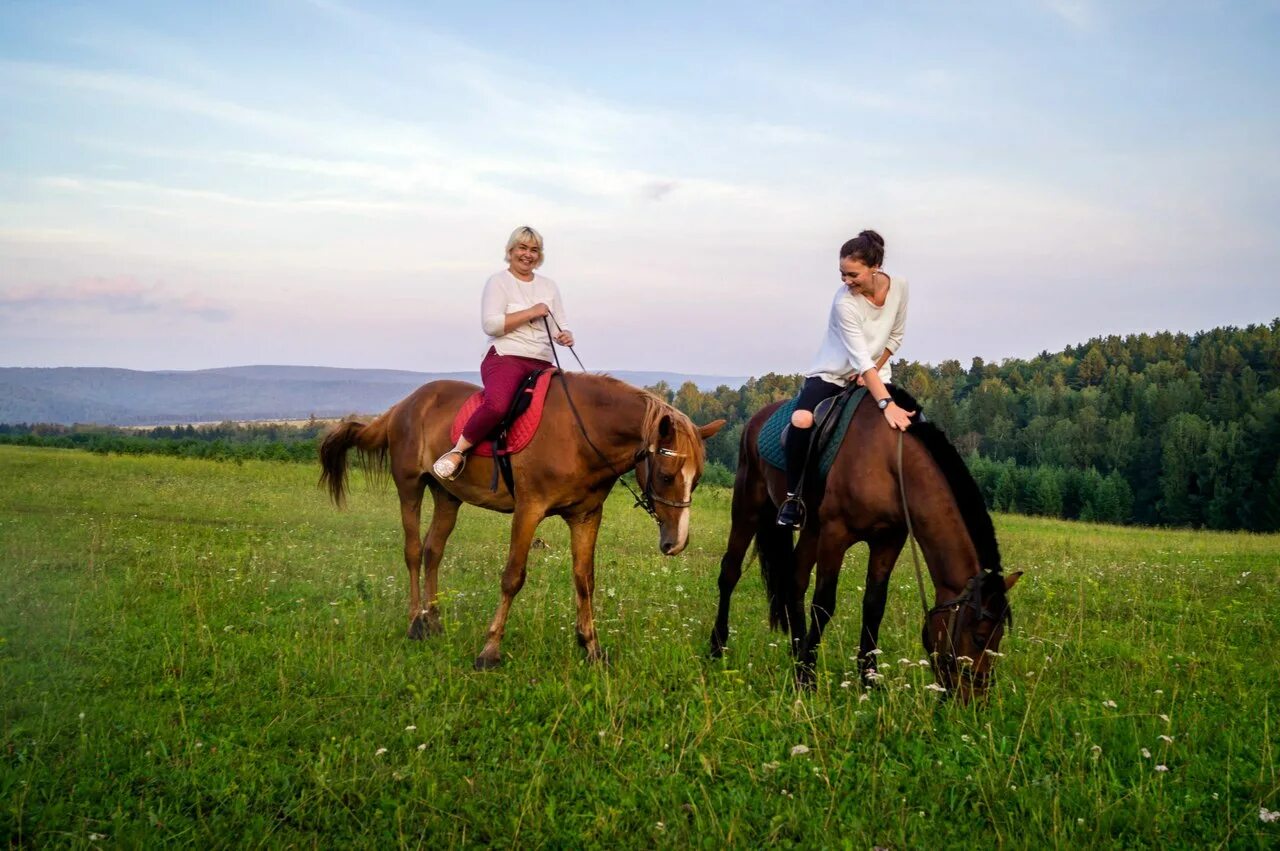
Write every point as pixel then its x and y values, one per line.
pixel 1168 429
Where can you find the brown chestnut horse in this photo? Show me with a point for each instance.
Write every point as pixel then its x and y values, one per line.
pixel 862 500
pixel 594 428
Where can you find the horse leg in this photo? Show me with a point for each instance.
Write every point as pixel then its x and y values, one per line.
pixel 583 529
pixel 829 553
pixel 411 519
pixel 747 501
pixel 806 553
pixel 524 523
pixel 444 515
pixel 884 555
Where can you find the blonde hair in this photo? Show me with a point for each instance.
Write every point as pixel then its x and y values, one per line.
pixel 524 233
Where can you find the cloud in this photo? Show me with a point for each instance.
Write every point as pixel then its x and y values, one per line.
pixel 122 295
pixel 1080 14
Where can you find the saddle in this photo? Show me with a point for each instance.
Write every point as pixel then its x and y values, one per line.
pixel 516 429
pixel 831 420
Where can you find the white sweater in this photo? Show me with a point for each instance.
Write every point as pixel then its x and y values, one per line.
pixel 858 332
pixel 505 293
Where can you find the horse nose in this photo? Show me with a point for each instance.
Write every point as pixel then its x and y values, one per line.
pixel 667 547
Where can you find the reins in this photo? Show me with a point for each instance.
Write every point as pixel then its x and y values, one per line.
pixel 972 587
pixel 648 498
pixel 911 534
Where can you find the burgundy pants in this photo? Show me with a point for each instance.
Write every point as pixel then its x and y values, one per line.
pixel 502 376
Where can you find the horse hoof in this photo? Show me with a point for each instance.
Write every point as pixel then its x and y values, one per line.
pixel 806 679
pixel 599 657
pixel 421 627
pixel 486 663
pixel 715 652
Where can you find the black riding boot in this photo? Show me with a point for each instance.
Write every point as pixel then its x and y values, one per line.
pixel 797 449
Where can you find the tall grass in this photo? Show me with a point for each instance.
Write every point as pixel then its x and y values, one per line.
pixel 194 653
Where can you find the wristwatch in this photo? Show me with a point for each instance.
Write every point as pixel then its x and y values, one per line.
pixel 884 403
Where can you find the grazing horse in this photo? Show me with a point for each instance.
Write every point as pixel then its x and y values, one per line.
pixel 594 428
pixel 863 499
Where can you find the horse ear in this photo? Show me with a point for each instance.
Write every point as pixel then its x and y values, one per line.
pixel 1012 580
pixel 665 428
pixel 710 428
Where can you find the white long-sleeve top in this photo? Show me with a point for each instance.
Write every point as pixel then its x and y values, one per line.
pixel 858 332
pixel 504 293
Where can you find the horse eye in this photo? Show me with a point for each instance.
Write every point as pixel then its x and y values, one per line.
pixel 666 478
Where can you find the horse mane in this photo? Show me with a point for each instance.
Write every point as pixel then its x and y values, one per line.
pixel 687 440
pixel 973 508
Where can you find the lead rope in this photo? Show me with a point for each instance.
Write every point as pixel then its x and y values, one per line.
pixel 641 502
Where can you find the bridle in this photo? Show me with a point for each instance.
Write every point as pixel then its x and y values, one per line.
pixel 969 598
pixel 645 453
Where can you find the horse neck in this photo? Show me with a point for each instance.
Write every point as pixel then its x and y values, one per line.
pixel 613 415
pixel 937 522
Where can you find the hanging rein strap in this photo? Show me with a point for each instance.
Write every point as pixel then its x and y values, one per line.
pixel 644 501
pixel 911 535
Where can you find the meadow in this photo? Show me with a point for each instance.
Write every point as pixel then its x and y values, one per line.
pixel 209 654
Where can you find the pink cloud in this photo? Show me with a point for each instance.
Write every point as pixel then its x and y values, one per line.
pixel 120 294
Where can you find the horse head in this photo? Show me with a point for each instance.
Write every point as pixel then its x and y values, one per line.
pixel 668 467
pixel 962 635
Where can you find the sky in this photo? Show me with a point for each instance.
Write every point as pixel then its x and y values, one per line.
pixel 323 182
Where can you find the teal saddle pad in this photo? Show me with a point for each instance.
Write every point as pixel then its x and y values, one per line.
pixel 770 438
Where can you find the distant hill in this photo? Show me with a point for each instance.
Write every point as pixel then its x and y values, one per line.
pixel 131 397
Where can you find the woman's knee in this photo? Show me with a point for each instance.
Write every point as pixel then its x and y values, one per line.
pixel 802 419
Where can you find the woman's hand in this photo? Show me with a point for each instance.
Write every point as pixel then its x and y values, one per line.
pixel 538 311
pixel 896 417
pixel 565 338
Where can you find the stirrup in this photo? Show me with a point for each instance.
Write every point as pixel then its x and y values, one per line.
pixel 792 512
pixel 443 469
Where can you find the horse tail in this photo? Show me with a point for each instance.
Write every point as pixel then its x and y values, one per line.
pixel 370 440
pixel 777 566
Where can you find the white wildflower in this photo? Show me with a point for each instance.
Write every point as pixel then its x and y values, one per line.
pixel 771 766
pixel 1162 768
pixel 846 684
pixel 935 687
pixel 1267 816
pixel 863 697
pixel 1110 704
pixel 875 652
pixel 1166 739
pixel 422 747
pixel 800 750
pixel 1146 754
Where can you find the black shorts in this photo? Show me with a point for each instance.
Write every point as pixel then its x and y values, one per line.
pixel 814 391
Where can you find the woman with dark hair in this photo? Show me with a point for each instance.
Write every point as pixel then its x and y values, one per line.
pixel 512 308
pixel 864 328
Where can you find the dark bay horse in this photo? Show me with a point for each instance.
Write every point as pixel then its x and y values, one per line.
pixel 563 471
pixel 862 501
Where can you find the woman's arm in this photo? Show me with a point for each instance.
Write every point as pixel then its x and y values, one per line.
pixel 563 335
pixel 494 319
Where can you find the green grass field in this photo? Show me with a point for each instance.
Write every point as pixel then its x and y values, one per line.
pixel 208 654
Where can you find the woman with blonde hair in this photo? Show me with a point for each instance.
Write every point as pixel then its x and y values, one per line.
pixel 513 308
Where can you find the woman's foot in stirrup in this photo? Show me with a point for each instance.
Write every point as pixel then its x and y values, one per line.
pixel 792 512
pixel 449 465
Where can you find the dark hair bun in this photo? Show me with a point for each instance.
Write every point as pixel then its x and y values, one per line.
pixel 867 246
